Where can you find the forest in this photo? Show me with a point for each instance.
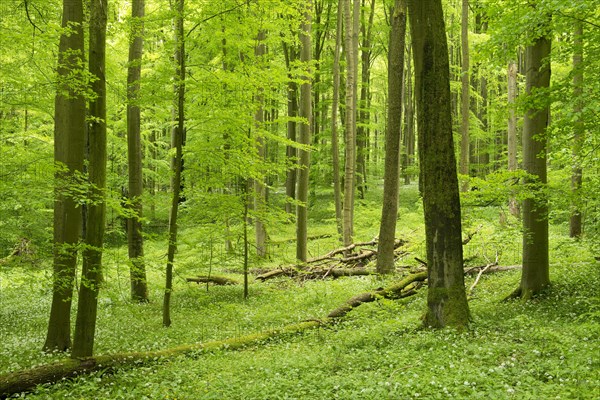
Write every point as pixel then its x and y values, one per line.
pixel 301 199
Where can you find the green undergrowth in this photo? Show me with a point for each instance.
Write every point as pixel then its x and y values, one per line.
pixel 546 348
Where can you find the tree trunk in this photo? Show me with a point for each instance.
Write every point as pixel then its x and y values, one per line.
pixel 139 288
pixel 513 205
pixel 446 299
pixel 575 223
pixel 535 275
pixel 389 213
pixel 464 94
pixel 351 19
pixel 362 130
pixel 177 160
pixel 69 127
pixel 292 113
pixel 335 150
pixel 91 276
pixel 305 133
pixel 260 190
pixel 408 138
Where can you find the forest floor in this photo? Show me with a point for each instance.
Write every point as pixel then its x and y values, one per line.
pixel 546 348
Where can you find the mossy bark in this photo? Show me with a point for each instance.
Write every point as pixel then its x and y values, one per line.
pixel 447 300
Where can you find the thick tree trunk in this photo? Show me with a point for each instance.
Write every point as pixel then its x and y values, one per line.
pixel 91 276
pixel 139 288
pixel 335 150
pixel 305 133
pixel 351 20
pixel 446 300
pixel 575 223
pixel 389 212
pixel 535 274
pixel 464 94
pixel 260 189
pixel 513 205
pixel 69 126
pixel 177 160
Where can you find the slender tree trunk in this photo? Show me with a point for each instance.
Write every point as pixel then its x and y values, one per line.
pixel 446 298
pixel 305 132
pixel 535 274
pixel 513 205
pixel 260 190
pixel 464 94
pixel 292 113
pixel 389 213
pixel 575 224
pixel 362 130
pixel 408 138
pixel 335 150
pixel 351 19
pixel 69 127
pixel 91 276
pixel 177 160
pixel 139 288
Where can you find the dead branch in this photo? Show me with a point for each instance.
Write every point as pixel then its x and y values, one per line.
pixel 471 234
pixel 217 280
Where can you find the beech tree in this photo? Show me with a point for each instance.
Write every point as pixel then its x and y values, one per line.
pixel 305 133
pixel 389 212
pixel 575 222
pixel 69 127
pixel 259 184
pixel 513 205
pixel 535 274
pixel 446 298
pixel 139 288
pixel 465 110
pixel 335 149
pixel 177 133
pixel 351 24
pixel 91 275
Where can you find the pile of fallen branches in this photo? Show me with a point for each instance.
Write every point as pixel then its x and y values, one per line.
pixel 346 261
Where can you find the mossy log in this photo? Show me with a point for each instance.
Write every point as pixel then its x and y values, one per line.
pixel 26 380
pixel 217 280
pixel 394 291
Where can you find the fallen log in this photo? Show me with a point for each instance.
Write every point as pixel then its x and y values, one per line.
pixel 26 380
pixel 394 291
pixel 217 280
